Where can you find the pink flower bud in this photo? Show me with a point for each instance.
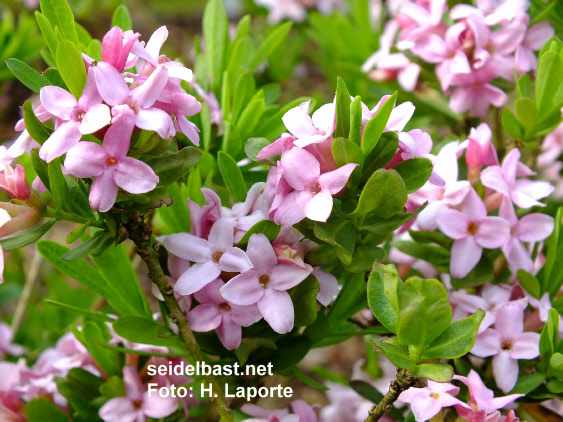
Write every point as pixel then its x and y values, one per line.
pixel 13 182
pixel 287 254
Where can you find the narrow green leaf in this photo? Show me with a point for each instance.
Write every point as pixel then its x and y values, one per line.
pixel 457 340
pixel 42 410
pixel 548 80
pixel 529 282
pixel 527 113
pixel 27 75
pixel 415 172
pixel 511 124
pixel 356 121
pixel 145 331
pixel 304 298
pixel 232 176
pixel 250 117
pixel 350 300
pixel 59 188
pixel 172 167
pixel 59 14
pixel 383 291
pixel 382 153
pixel 253 146
pixel 375 127
pixel 48 32
pixel 98 316
pixel 270 43
pixel 94 342
pixel 35 128
pixel 54 77
pixel 122 18
pixel 84 249
pixel 395 353
pixel 266 227
pixel 438 372
pixel 27 238
pixel 71 67
pixel 216 35
pixel 342 110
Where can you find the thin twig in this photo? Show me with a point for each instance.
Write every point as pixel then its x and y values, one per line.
pixel 140 234
pixel 30 280
pixel 405 380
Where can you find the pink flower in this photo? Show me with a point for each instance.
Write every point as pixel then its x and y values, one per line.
pixel 137 405
pixel 508 343
pixel 474 93
pixel 536 36
pixel 210 256
pixel 313 191
pixel 13 182
pixel 310 130
pixel 6 345
pixel 483 401
pixel 530 228
pixel 116 47
pixel 302 412
pixel 428 401
pixel 214 313
pixel 495 11
pixel 110 167
pixel 266 284
pixel 480 151
pixel 87 115
pixel 524 193
pixel 472 231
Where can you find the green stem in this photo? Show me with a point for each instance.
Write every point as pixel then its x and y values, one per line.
pixel 405 380
pixel 140 234
pixel 61 215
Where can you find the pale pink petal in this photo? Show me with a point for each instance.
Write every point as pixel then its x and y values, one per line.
pixel 221 234
pixel 210 294
pixel 57 101
pixel 492 232
pixel 177 266
pixel 535 227
pixel 111 85
pixel 301 168
pixel 286 276
pixel 336 180
pixel 425 408
pixel 526 346
pixel 205 317
pixel 487 343
pixel 90 95
pixel 156 120
pixel 86 159
pixel 453 223
pixel 133 386
pixel 509 320
pixel 234 260
pixel 298 122
pixel 465 254
pixel 277 309
pixel 245 315
pixel 538 34
pixel 95 118
pixel 146 95
pixel 517 255
pixel 319 206
pixel 473 206
pixel 134 176
pixel 119 409
pixel 61 140
pixel 188 246
pixel 197 277
pixel 293 208
pixel 328 286
pixel 159 407
pixel 261 253
pixel 104 191
pixel 118 137
pixel 532 189
pixel 244 289
pixel 156 41
pixel 505 371
pixel 230 333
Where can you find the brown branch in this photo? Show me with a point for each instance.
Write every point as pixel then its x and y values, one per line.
pixel 405 380
pixel 140 233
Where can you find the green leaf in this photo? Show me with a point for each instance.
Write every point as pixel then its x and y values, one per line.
pixel 548 80
pixel 144 331
pixel 59 14
pixel 253 146
pixel 244 90
pixel 266 227
pixel 322 255
pixel 345 152
pixel 482 273
pixel 438 372
pixel 269 45
pixel 94 341
pixel 216 35
pixel 338 232
pixel 290 351
pixel 415 172
pixel 436 255
pixel 122 18
pixel 58 186
pixel 528 382
pixel 77 201
pixel 27 238
pixel 381 154
pixel 529 282
pixel 527 113
pixel 27 75
pixel 383 295
pixel 251 116
pixel 87 275
pixel 424 312
pixel 304 298
pixel 364 256
pixel 524 86
pixel 350 300
pixel 548 337
pixel 54 77
pixel 457 340
pixel 71 67
pixel 172 167
pixel 511 124
pixel 35 128
pixel 97 316
pixel 42 410
pixel 396 353
pixel 383 227
pixel 342 110
pixel 84 249
pixel 375 127
pixel 40 167
pixel 232 176
pixel 47 31
pixel 356 121
pixel 367 391
pixel 384 195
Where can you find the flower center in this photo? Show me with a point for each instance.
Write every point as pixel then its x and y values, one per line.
pixel 217 256
pixel 316 188
pixel 137 404
pixel 81 116
pixel 224 306
pixel 110 161
pixel 506 345
pixel 435 395
pixel 264 280
pixel 472 228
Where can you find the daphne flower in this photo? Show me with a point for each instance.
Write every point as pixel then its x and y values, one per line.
pixel 508 343
pixel 480 150
pixel 211 256
pixel 110 167
pixel 266 284
pixel 6 338
pixel 472 231
pixel 428 401
pixel 137 405
pixel 302 412
pixel 13 182
pixel 87 115
pixel 116 47
pixel 310 130
pixel 523 192
pixel 536 36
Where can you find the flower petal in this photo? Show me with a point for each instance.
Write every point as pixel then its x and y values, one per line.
pixel 487 344
pixel 61 140
pixel 286 276
pixel 134 176
pixel 188 246
pixel 244 289
pixel 196 277
pixel 234 260
pixel 95 118
pixel 261 253
pixel 85 159
pixel 535 227
pixel 277 309
pixel 505 371
pixel 465 254
pixel 453 223
pixel 57 101
pixel 526 346
pixel 104 191
pixel 300 168
pixel 230 333
pixel 111 85
pixel 492 232
pixel 204 317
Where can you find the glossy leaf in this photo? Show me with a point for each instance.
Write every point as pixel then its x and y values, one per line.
pixel 35 128
pixel 383 295
pixel 438 372
pixel 381 154
pixel 59 15
pixel 172 167
pixel 232 176
pixel 396 353
pixel 93 340
pixel 384 195
pixel 27 75
pixel 215 33
pixel 350 300
pixel 71 67
pixel 42 410
pixel 270 43
pixel 342 110
pixel 84 249
pixel 58 186
pixel 511 124
pixel 122 18
pixel 26 238
pixel 548 79
pixel 266 227
pixel 356 121
pixel 145 331
pixel 415 172
pixel 340 233
pixel 304 297
pixel 375 127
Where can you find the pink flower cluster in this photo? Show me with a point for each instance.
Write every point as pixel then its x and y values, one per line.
pixel 151 99
pixel 296 10
pixel 462 215
pixel 20 384
pixel 489 41
pixel 236 288
pixel 301 411
pixel 306 177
